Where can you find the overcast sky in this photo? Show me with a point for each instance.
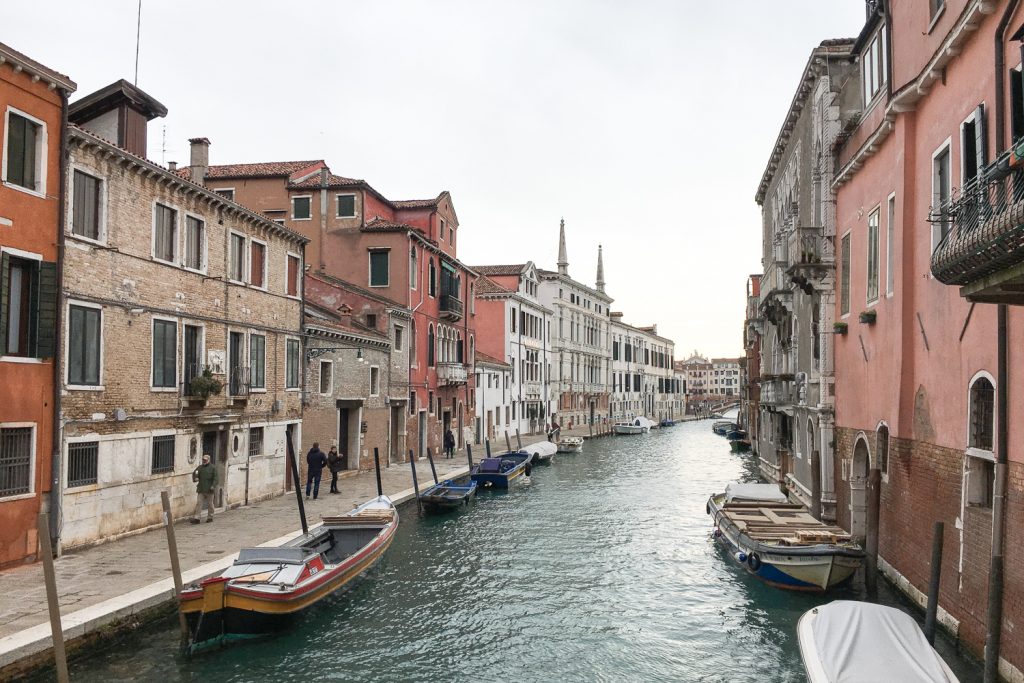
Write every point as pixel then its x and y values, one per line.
pixel 645 124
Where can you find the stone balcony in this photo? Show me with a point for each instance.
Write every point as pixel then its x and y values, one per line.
pixel 451 307
pixel 451 374
pixel 777 390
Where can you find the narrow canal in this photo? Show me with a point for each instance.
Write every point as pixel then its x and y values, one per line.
pixel 600 569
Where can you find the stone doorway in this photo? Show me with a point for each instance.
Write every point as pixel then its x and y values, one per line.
pixel 859 490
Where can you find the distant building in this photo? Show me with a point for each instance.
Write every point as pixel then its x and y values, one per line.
pixel 494 400
pixel 182 325
pixel 32 98
pixel 750 377
pixel 581 357
pixel 697 371
pixel 724 379
pixel 643 378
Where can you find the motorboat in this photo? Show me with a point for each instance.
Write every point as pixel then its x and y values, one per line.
pixel 265 589
pixel 570 444
pixel 854 641
pixel 781 543
pixel 500 471
pixel 636 425
pixel 448 494
pixel 542 452
pixel 723 427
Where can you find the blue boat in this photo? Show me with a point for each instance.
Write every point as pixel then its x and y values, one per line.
pixel 448 494
pixel 500 471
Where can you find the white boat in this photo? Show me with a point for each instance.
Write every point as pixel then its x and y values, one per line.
pixel 859 641
pixel 541 452
pixel 781 543
pixel 635 425
pixel 570 444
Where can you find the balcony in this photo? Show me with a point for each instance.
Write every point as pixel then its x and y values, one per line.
pixel 983 249
pixel 239 383
pixel 449 374
pixel 776 391
pixel 812 257
pixel 451 307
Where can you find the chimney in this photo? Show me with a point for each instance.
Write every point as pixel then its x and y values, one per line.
pixel 199 162
pixel 118 113
pixel 172 166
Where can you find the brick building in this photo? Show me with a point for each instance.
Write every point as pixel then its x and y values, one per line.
pixel 403 251
pixel 182 323
pixel 357 372
pixel 581 355
pixel 514 327
pixel 33 99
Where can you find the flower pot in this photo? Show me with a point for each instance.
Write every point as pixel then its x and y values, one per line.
pixel 839 328
pixel 868 317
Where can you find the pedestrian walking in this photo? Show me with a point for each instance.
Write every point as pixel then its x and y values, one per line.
pixel 554 431
pixel 315 462
pixel 449 444
pixel 205 477
pixel 334 465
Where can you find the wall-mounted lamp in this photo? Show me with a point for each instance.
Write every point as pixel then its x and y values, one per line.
pixel 359 356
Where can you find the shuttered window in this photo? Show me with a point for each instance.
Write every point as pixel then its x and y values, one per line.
pixel 165 237
pixel 28 307
pixel 163 454
pixel 379 276
pixel 15 461
pixel 257 361
pixel 236 265
pixel 85 219
pixel 301 208
pixel 346 205
pixel 293 275
pixel 165 345
pixel 23 152
pixel 195 243
pixel 84 336
pixel 257 260
pixel 844 276
pixel 292 364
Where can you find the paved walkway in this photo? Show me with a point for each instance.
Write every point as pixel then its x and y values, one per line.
pixel 97 574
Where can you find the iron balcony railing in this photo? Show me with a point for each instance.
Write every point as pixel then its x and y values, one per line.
pixel 982 225
pixel 191 371
pixel 238 382
pixel 451 305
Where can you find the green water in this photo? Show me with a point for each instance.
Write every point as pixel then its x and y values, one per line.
pixel 601 568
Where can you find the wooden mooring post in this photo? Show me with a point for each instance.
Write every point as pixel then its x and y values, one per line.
pixel 172 548
pixel 487 447
pixel 415 484
pixel 519 440
pixel 469 456
pixel 430 459
pixel 932 609
pixel 508 442
pixel 60 656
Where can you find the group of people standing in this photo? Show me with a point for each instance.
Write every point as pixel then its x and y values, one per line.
pixel 316 461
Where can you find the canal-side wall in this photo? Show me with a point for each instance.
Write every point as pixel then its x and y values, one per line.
pixel 922 484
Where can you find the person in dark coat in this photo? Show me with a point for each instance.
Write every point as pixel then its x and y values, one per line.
pixel 205 477
pixel 315 462
pixel 449 444
pixel 334 465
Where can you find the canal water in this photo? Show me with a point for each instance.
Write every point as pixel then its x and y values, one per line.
pixel 601 568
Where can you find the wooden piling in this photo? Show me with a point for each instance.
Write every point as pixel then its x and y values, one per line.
pixel 52 600
pixel 487 447
pixel 932 609
pixel 519 439
pixel 376 467
pixel 172 548
pixel 871 542
pixel 430 459
pixel 508 442
pixel 469 456
pixel 415 484
pixel 816 484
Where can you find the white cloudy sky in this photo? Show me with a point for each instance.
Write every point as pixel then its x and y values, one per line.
pixel 645 124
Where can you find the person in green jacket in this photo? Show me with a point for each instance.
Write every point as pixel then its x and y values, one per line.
pixel 205 477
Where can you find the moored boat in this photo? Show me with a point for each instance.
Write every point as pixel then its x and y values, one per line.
pixel 501 471
pixel 266 588
pixel 542 452
pixel 570 444
pixel 668 423
pixel 636 425
pixel 448 494
pixel 739 445
pixel 781 543
pixel 859 641
pixel 723 427
pixel 736 434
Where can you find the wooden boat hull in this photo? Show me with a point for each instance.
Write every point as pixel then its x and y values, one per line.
pixel 814 568
pixel 502 479
pixel 448 495
pixel 227 608
pixel 628 429
pixel 739 445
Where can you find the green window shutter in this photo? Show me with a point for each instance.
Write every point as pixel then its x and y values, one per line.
pixel 5 294
pixel 46 330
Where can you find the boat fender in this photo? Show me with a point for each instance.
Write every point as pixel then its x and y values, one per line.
pixel 717 533
pixel 741 557
pixel 754 562
pixel 707 507
pixel 529 468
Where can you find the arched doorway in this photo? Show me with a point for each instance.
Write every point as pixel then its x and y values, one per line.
pixel 859 489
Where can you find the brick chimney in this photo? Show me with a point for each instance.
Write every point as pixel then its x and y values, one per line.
pixel 172 166
pixel 199 161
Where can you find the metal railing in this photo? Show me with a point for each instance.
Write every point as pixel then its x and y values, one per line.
pixel 191 371
pixel 238 381
pixel 451 304
pixel 983 225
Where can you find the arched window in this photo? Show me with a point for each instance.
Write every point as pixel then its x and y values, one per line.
pixel 882 448
pixel 412 340
pixel 432 284
pixel 472 350
pixel 459 355
pixel 430 346
pixel 982 426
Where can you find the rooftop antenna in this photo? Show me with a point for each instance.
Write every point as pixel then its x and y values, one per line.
pixel 138 33
pixel 163 146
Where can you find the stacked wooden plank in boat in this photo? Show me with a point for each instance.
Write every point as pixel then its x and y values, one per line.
pixel 365 517
pixel 782 523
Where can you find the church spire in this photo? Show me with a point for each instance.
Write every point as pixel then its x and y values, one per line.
pixel 600 270
pixel 563 257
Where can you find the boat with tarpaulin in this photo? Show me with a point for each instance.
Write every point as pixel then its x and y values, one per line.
pixel 448 494
pixel 570 444
pixel 541 453
pixel 781 543
pixel 499 472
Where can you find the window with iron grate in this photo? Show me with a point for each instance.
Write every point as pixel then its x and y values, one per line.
pixel 83 462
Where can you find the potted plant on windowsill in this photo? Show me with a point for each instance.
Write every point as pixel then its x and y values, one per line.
pixel 868 317
pixel 203 387
pixel 839 328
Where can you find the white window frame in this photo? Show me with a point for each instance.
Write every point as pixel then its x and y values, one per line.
pixel 301 196
pixel 890 245
pixel 369 266
pixel 974 452
pixel 414 269
pixel 31 493
pixel 176 256
pixel 337 204
pixel 936 231
pixel 298 360
pixel 876 211
pixel 843 316
pixel 298 276
pixel 320 378
pixel 971 118
pixel 266 258
pixel 399 338
pixel 227 356
pixel 177 352
pixel 102 227
pixel 42 159
pixel 28 256
pixel 218 190
pixel 204 265
pixel 248 356
pixel 67 346
pixel 202 343
pixel 245 258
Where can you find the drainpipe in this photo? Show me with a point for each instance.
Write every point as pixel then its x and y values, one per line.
pixel 58 431
pixel 994 617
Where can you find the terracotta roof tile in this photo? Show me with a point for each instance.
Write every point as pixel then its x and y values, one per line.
pixel 485 285
pixel 513 269
pixel 384 225
pixel 263 169
pixel 482 357
pixel 313 182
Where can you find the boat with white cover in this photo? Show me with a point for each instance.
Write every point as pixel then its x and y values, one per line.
pixel 570 444
pixel 860 641
pixel 541 452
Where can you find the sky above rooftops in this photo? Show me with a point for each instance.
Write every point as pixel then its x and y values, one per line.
pixel 646 125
